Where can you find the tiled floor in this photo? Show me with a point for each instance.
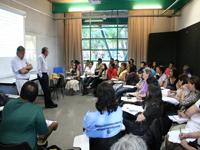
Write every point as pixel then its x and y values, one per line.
pixel 69 114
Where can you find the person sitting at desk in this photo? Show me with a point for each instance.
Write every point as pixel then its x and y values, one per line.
pixel 21 68
pixel 73 84
pixel 106 122
pixel 23 121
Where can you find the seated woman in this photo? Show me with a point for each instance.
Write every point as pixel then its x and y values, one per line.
pixel 194 94
pixel 23 121
pixel 106 122
pixel 143 85
pixel 73 84
pixel 193 124
pixel 102 75
pixel 139 124
pixel 161 76
pixel 170 82
pixel 112 72
pixel 181 86
pixel 122 72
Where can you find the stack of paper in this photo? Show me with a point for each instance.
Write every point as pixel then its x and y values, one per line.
pixel 132 109
pixel 178 119
pixel 174 136
pixel 129 99
pixel 170 100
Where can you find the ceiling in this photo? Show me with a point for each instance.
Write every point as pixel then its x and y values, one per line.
pixel 61 6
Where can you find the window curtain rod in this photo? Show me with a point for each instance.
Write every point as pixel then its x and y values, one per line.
pixel 116 16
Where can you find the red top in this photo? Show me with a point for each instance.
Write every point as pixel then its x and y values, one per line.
pixel 112 73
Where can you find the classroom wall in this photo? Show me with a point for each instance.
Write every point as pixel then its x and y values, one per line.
pixel 190 15
pixel 46 30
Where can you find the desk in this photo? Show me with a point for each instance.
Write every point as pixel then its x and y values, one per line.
pixel 7 85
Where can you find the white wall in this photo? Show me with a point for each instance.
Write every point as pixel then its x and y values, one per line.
pixel 190 15
pixel 43 27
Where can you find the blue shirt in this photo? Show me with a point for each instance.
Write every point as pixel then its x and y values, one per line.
pixel 104 125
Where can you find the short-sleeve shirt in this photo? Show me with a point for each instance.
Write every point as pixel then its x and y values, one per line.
pixel 18 64
pixel 104 125
pixel 194 122
pixel 22 122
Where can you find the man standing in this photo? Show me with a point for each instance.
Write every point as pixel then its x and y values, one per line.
pixel 21 68
pixel 44 78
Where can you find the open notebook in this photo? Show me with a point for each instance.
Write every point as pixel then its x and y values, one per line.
pixel 178 119
pixel 174 136
pixel 170 100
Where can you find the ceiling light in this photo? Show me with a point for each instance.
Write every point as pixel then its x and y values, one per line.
pixel 140 6
pixel 76 9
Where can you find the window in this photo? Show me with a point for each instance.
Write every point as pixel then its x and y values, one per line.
pixel 105 41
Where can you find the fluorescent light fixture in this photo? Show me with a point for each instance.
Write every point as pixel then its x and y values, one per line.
pixel 140 6
pixel 94 20
pixel 81 8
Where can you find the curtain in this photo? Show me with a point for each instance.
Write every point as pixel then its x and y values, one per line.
pixel 73 37
pixel 138 32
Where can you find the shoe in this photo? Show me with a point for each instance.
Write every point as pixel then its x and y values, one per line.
pixel 51 106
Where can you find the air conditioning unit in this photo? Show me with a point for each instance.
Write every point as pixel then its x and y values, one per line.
pixel 95 1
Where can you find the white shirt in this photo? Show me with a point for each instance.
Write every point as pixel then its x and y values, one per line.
pixel 42 65
pixel 162 78
pixel 89 71
pixel 17 64
pixel 194 122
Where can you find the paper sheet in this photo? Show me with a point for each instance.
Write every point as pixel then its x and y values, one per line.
pixel 81 141
pixel 1 108
pixel 178 119
pixel 165 92
pixel 129 86
pixel 12 96
pixel 174 136
pixel 170 100
pixel 132 93
pixel 49 122
pixel 132 109
pixel 129 99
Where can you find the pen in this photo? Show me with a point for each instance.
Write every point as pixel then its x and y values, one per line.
pixel 180 131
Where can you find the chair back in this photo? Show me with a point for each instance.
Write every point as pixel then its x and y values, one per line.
pixel 22 146
pixel 104 143
pixel 59 70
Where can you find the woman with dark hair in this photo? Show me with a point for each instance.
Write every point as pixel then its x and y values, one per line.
pixel 194 94
pixel 122 72
pixel 112 71
pixel 139 124
pixel 172 79
pixel 73 84
pixel 106 122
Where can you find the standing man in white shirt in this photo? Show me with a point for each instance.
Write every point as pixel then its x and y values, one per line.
pixel 44 78
pixel 21 68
